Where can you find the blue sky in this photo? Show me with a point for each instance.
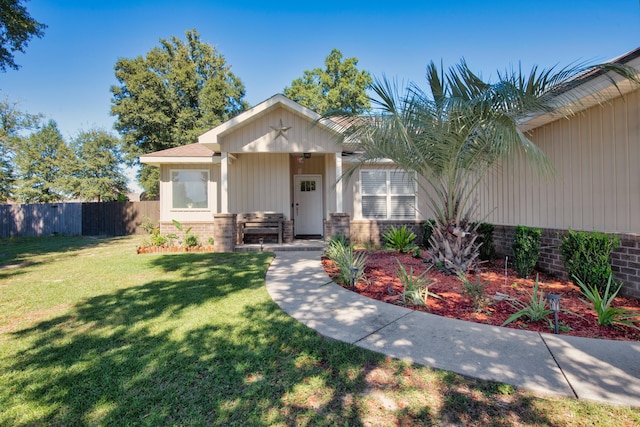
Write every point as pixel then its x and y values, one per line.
pixel 67 74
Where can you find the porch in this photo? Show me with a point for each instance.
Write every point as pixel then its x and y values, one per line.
pixel 297 245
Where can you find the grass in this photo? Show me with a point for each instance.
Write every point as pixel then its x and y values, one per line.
pixel 92 334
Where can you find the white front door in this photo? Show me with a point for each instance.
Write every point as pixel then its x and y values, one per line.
pixel 307 205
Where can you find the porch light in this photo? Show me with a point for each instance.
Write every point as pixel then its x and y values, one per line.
pixel 554 304
pixel 354 274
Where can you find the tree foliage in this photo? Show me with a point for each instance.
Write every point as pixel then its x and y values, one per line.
pixel 12 122
pixel 453 132
pixel 44 166
pixel 169 97
pixel 17 27
pixel 98 174
pixel 340 86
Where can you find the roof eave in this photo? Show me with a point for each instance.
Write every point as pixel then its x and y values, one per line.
pixel 157 161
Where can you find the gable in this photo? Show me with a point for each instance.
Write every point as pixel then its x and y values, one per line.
pixel 277 125
pixel 280 131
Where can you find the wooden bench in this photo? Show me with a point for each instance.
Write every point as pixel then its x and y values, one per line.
pixel 260 223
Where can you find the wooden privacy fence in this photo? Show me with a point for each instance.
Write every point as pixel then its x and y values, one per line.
pixel 117 218
pixel 88 219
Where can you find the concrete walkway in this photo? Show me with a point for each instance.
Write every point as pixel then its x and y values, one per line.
pixel 598 370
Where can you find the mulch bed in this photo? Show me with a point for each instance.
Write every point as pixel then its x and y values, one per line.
pixel 381 283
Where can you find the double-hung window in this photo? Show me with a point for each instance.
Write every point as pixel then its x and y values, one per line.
pixel 190 189
pixel 388 194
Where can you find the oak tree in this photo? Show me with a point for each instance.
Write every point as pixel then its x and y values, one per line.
pixel 340 86
pixel 44 166
pixel 16 29
pixel 169 97
pixel 98 174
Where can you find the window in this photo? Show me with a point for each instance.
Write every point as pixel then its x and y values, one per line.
pixel 190 189
pixel 307 186
pixel 388 194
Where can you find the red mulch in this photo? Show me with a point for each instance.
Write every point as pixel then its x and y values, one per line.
pixel 381 283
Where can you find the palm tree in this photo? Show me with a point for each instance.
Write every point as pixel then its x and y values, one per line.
pixel 451 134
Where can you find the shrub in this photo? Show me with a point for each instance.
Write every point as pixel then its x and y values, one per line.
pixel 191 241
pixel 347 258
pixel 475 291
pixel 399 239
pixel 188 240
pixel 427 231
pixel 415 288
pixel 336 244
pixel 155 238
pixel 586 256
pixel 526 249
pixel 607 315
pixel 534 311
pixel 485 239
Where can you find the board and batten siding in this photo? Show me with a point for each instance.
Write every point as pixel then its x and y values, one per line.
pixel 260 183
pixel 596 184
pixel 191 215
pixel 259 136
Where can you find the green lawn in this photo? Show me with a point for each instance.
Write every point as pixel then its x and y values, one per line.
pixel 93 334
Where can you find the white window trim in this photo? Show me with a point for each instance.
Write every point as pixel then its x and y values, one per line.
pixel 187 209
pixel 388 194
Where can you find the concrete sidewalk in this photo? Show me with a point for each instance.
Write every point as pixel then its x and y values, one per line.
pixel 598 370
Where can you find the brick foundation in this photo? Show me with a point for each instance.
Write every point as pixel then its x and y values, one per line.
pixel 371 231
pixel 338 223
pixel 625 261
pixel 204 230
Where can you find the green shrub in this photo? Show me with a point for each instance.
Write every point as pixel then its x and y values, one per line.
pixel 347 258
pixel 399 239
pixel 415 288
pixel 188 240
pixel 526 249
pixel 485 237
pixel 475 291
pixel 336 244
pixel 427 231
pixel 534 311
pixel 601 304
pixel 586 255
pixel 191 241
pixel 155 238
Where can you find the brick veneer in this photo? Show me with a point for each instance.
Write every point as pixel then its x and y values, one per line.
pixel 371 231
pixel 287 231
pixel 225 232
pixel 204 230
pixel 338 223
pixel 625 261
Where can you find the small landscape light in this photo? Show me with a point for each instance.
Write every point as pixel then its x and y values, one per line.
pixel 554 304
pixel 354 274
pixel 261 241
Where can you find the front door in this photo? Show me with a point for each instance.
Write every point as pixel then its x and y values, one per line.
pixel 307 205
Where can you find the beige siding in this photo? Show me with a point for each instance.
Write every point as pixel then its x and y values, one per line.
pixel 183 215
pixel 596 185
pixel 259 136
pixel 260 182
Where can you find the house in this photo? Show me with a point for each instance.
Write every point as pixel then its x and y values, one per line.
pixel 596 184
pixel 282 157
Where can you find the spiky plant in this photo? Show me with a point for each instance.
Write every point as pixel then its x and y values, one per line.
pixel 452 133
